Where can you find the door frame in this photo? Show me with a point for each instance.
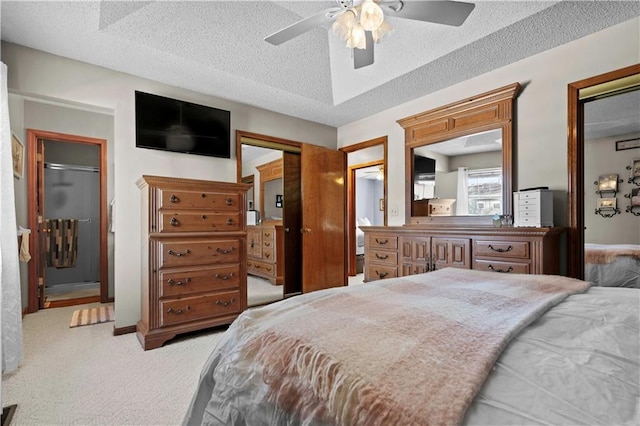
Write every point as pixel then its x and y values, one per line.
pixel 35 137
pixel 351 194
pixel 579 93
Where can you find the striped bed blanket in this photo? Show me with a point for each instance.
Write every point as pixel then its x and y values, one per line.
pixel 411 350
pixel 607 253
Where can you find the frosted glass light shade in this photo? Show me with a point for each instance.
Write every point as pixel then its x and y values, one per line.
pixel 371 16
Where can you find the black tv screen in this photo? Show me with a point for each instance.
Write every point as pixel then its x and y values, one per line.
pixel 424 168
pixel 179 126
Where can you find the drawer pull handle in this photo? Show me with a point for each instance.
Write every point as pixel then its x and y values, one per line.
pixel 267 244
pixel 386 256
pixel 382 274
pixel 249 264
pixel 229 221
pixel 267 255
pixel 204 216
pixel 178 254
pixel 501 250
pixel 229 201
pixel 172 282
pixel 203 195
pixel 224 277
pixel 174 222
pixel 268 269
pixel 223 251
pixel 382 242
pixel 179 311
pixel 267 235
pixel 252 244
pixel 225 303
pixel 500 270
pixel 174 199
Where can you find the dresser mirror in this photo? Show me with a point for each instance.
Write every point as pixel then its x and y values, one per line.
pixel 458 160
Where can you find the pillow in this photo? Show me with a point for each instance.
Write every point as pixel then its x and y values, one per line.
pixel 363 221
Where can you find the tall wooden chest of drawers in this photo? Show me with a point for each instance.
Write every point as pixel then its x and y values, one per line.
pixel 193 256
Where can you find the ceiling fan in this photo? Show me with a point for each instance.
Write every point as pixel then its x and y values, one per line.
pixel 361 22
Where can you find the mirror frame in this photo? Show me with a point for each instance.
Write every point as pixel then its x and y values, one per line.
pixel 579 93
pixel 486 111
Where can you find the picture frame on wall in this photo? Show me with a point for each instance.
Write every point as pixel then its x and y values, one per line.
pixel 608 183
pixel 17 155
pixel 627 144
pixel 606 203
pixel 636 168
pixel 635 197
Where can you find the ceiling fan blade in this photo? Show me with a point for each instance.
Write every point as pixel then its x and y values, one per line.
pixel 364 57
pixel 301 27
pixel 440 12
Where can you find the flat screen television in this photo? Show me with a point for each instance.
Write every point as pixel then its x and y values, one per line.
pixel 424 168
pixel 173 125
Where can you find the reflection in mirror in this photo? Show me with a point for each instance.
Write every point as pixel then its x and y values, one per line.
pixel 264 191
pixel 459 177
pixel 616 239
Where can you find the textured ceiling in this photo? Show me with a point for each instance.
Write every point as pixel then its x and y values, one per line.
pixel 217 48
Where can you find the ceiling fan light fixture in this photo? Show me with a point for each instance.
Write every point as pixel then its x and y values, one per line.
pixel 344 23
pixel 382 31
pixel 371 16
pixel 357 40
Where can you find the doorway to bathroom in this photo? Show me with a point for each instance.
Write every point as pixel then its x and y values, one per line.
pixel 67 207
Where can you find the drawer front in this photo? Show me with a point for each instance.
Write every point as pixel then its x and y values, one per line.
pixel 383 257
pixel 199 222
pixel 511 249
pixel 530 221
pixel 413 269
pixel 379 272
pixel 174 253
pixel 178 283
pixel 198 308
pixel 261 268
pixel 221 201
pixel 531 196
pixel 502 267
pixel 268 255
pixel 268 235
pixel 382 241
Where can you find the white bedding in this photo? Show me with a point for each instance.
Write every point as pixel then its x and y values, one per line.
pixel 577 364
pixel 359 241
pixel 612 265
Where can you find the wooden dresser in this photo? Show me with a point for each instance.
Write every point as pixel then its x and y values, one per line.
pixel 407 250
pixel 193 256
pixel 265 252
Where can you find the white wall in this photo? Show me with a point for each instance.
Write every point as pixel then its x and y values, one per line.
pixel 540 156
pixel 601 158
pixel 52 77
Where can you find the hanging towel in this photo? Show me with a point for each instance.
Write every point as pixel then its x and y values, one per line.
pixel 62 244
pixel 24 255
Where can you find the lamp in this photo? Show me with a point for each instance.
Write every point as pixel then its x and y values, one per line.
pixel 351 25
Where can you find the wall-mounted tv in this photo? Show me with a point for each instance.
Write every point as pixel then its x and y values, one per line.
pixel 179 126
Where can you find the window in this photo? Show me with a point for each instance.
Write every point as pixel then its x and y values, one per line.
pixel 485 191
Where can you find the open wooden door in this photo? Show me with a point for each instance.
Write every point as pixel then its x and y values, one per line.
pixel 323 218
pixel 42 231
pixel 292 223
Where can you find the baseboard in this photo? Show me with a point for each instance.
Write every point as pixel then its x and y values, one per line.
pixel 7 414
pixel 117 331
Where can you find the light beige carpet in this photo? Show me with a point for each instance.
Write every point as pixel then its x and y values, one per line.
pixel 260 291
pixel 91 316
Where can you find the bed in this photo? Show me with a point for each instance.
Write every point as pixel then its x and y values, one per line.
pixel 612 265
pixel 447 347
